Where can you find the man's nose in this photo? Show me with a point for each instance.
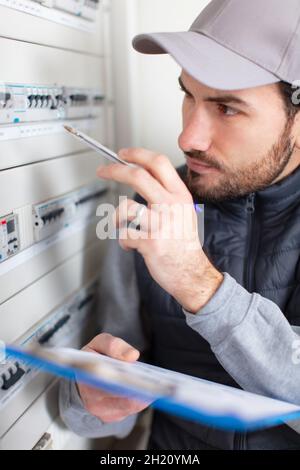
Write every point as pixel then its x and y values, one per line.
pixel 196 133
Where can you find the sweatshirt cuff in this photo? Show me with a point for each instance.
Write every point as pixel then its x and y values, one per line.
pixel 225 311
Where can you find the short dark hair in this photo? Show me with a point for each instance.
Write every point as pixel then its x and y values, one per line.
pixel 286 91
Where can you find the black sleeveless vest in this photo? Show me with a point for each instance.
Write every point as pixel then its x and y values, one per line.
pixel 256 239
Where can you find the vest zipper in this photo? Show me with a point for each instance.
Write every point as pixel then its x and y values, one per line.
pixel 252 237
pixel 252 243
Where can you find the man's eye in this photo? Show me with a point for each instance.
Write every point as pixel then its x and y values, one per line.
pixel 227 110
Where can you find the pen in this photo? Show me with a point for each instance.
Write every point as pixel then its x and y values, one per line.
pixel 104 151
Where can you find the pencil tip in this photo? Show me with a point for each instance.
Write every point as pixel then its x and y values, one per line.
pixel 69 129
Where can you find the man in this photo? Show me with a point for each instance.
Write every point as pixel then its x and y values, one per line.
pixel 226 312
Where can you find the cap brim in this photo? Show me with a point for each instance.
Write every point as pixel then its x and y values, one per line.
pixel 206 60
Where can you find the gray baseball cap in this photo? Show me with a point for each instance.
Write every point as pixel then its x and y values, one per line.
pixel 235 44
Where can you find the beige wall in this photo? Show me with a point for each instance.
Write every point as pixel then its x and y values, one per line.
pixel 153 99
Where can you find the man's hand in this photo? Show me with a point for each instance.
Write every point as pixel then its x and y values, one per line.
pixel 168 239
pixel 107 407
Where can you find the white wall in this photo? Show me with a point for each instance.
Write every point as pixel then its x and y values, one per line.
pixel 148 100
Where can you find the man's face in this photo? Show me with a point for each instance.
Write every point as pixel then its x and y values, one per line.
pixel 243 136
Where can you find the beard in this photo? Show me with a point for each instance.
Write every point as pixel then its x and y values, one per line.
pixel 233 183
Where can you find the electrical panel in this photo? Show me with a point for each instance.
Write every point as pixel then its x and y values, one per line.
pixel 53 215
pixel 31 425
pixel 19 312
pixel 37 104
pixel 22 144
pixel 63 327
pixel 65 88
pixel 42 65
pixel 53 27
pixel 24 313
pixel 19 272
pixel 49 229
pixel 45 181
pixel 34 103
pixel 67 325
pixel 50 257
pixel 47 218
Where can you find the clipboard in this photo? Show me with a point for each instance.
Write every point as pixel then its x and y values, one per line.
pixel 188 397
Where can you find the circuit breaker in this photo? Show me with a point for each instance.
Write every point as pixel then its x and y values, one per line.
pixel 35 103
pixel 65 326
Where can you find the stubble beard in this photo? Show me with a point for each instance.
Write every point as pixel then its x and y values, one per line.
pixel 234 183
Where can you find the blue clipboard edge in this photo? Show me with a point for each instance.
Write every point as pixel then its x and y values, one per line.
pixel 166 404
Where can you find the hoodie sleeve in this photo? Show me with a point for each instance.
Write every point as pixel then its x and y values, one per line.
pixel 253 341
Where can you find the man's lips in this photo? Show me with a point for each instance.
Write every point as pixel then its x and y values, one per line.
pixel 199 167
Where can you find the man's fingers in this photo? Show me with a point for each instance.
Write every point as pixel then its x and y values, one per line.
pixel 115 409
pixel 154 177
pixel 99 403
pixel 125 405
pixel 94 396
pixel 109 407
pixel 113 347
pixel 139 179
pixel 158 165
